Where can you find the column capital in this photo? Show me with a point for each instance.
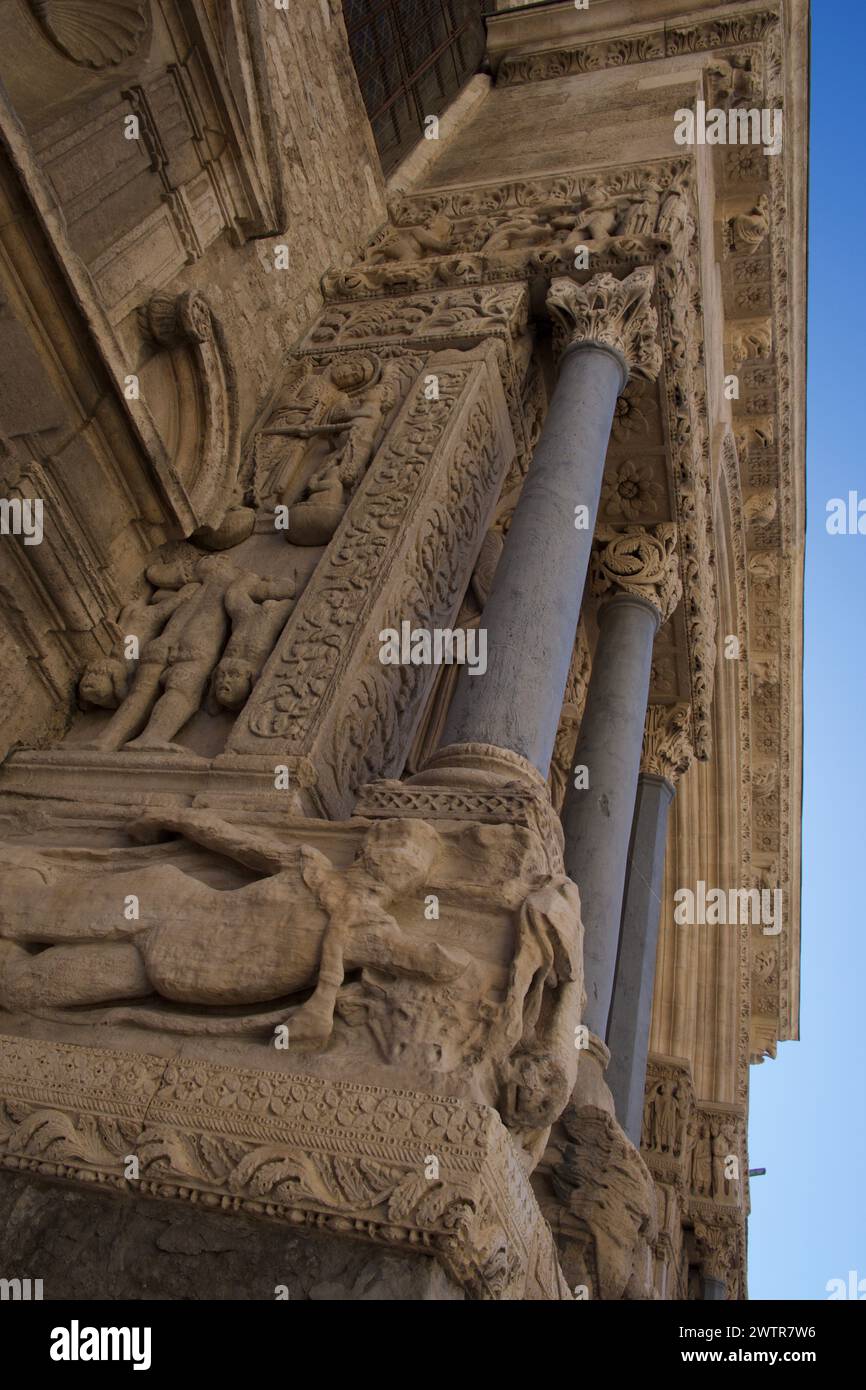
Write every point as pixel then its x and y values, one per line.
pixel 667 748
pixel 615 314
pixel 641 561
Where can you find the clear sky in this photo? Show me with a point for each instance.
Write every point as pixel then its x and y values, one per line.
pixel 808 1108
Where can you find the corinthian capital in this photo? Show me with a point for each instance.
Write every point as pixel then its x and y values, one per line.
pixel 640 560
pixel 667 748
pixel 618 314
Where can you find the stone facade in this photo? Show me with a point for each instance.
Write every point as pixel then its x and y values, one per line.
pixel 304 925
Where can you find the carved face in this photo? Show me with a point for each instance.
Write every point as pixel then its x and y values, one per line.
pixel 233 681
pixel 350 373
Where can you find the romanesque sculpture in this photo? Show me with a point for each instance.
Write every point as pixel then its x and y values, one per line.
pixel 303 925
pixel 663 1118
pixel 667 750
pixel 608 1210
pixel 342 414
pixel 194 944
pixel 639 560
pixel 413 243
pixel 749 229
pixel 183 654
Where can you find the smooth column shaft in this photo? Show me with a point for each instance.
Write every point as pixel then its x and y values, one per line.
pixel 631 1011
pixel 533 608
pixel 597 819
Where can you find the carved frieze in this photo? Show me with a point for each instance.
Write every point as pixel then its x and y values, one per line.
pixel 352 1158
pixel 421 512
pixel 661 42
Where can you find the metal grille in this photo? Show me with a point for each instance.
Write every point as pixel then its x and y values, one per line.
pixel 411 58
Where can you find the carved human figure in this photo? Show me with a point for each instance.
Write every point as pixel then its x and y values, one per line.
pixel 749 229
pixel 666 1116
pixel 176 666
pixel 598 220
pixel 304 925
pixel 724 1148
pixel 642 214
pixel 525 230
pixel 353 427
pixel 105 683
pixel 413 243
pixel 702 1172
pixel 674 215
pixel 258 610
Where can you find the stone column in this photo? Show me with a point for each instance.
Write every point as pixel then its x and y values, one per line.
pixel 604 330
pixel 636 573
pixel 666 755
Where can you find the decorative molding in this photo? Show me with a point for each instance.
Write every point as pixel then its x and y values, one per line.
pixel 194 398
pixel 643 47
pixel 348 1158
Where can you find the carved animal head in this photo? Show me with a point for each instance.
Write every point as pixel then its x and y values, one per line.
pixel 400 853
pixel 104 684
pixel 536 1090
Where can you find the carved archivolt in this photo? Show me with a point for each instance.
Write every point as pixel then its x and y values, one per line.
pixel 191 387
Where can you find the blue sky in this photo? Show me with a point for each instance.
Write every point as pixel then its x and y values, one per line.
pixel 808 1108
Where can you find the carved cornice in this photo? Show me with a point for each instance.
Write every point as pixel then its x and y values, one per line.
pixel 646 46
pixel 641 561
pixel 285 1147
pixel 618 314
pixel 667 747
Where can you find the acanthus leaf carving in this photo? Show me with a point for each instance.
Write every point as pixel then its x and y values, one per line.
pixel 639 560
pixel 667 748
pixel 618 314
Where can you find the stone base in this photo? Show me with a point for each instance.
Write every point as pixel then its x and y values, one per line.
pixel 102 1245
pixel 438 1182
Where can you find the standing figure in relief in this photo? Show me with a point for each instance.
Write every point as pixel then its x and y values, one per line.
pixel 105 683
pixel 258 610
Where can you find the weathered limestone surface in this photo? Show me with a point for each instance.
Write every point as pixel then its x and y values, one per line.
pixel 292 969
